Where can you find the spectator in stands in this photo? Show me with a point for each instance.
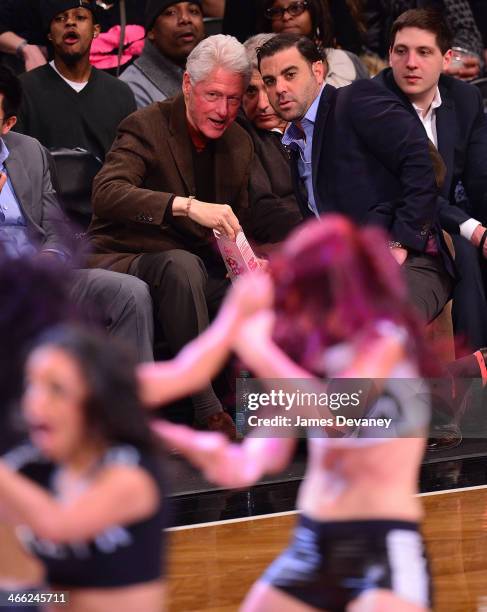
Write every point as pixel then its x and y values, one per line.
pixel 345 19
pixel 173 29
pixel 452 114
pixel 358 151
pixel 381 14
pixel 311 18
pixel 31 223
pixel 178 170
pixel 265 128
pixel 68 103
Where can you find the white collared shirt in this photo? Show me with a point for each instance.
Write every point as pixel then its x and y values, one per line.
pixel 467 228
pixel 429 120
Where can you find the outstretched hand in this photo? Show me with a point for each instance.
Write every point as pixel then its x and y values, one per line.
pixel 220 461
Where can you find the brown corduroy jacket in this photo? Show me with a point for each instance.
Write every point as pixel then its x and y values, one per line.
pixel 149 163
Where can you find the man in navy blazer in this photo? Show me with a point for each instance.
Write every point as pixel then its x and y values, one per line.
pixel 359 152
pixel 451 112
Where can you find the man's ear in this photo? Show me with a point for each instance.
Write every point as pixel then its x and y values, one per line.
pixel 8 124
pixel 319 71
pixel 96 30
pixel 186 84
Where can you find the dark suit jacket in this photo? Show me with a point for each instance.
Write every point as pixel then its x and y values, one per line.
pixel 271 172
pixel 461 126
pixel 28 169
pixel 371 162
pixel 149 163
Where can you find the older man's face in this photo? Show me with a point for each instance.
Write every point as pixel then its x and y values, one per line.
pixel 212 104
pixel 178 30
pixel 257 107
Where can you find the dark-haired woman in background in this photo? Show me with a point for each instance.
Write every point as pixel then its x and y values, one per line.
pixel 341 311
pixel 312 18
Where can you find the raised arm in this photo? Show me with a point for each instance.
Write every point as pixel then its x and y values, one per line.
pixel 201 359
pixel 120 495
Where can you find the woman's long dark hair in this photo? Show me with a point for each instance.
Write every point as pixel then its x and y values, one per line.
pixel 333 282
pixel 113 410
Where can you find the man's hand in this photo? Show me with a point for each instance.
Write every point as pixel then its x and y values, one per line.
pixel 215 216
pixel 470 69
pixel 477 236
pixel 219 217
pixel 400 254
pixel 3 180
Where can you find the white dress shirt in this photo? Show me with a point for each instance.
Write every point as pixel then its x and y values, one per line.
pixel 429 121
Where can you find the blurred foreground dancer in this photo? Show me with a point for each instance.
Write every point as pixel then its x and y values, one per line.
pixel 88 489
pixel 340 310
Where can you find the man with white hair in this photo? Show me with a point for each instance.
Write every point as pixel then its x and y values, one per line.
pixel 178 170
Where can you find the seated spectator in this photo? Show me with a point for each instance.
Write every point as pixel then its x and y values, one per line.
pixel 173 29
pixel 311 18
pixel 381 14
pixel 178 170
pixel 346 20
pixel 32 224
pixel 452 115
pixel 68 103
pixel 265 128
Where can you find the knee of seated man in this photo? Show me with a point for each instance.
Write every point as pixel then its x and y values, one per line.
pixel 106 286
pixel 183 265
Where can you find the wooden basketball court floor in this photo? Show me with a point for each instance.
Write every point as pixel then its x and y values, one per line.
pixel 213 565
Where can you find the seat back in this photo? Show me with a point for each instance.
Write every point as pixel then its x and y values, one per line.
pixel 74 171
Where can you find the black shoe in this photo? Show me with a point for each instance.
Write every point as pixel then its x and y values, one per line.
pixel 444 437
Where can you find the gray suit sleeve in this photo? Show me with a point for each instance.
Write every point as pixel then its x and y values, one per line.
pixel 53 221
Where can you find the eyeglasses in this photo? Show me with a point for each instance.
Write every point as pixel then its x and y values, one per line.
pixel 294 9
pixel 217 97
